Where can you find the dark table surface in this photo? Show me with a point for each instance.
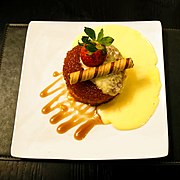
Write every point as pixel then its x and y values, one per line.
pixel 19 11
pixel 14 19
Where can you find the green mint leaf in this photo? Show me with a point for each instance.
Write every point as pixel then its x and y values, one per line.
pixel 90 32
pixel 91 48
pixel 80 44
pixel 107 41
pixel 85 39
pixel 100 35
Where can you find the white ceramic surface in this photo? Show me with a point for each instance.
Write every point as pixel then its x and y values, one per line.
pixel 34 137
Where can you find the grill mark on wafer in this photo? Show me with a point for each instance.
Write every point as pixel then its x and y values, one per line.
pixel 127 63
pixel 80 76
pixel 112 67
pixel 96 72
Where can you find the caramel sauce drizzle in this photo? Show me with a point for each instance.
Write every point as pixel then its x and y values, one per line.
pixel 72 113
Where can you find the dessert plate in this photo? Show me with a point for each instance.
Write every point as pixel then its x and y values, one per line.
pixel 34 137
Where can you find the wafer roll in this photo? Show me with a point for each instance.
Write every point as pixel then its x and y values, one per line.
pixel 102 70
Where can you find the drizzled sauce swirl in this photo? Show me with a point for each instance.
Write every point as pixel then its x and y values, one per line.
pixel 69 111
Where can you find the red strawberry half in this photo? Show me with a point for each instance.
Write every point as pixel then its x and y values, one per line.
pixel 92 59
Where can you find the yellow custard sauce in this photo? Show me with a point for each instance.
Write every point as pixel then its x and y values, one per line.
pixel 140 96
pixel 130 109
pixel 138 101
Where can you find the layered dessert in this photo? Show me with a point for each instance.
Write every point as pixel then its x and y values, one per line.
pixel 105 80
pixel 94 70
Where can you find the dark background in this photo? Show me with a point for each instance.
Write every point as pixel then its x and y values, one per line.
pixel 166 11
pixel 19 11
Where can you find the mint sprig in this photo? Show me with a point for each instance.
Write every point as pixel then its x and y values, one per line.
pixel 100 35
pixel 92 43
pixel 90 32
pixel 107 41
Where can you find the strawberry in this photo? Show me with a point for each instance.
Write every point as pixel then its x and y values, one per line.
pixel 93 51
pixel 92 59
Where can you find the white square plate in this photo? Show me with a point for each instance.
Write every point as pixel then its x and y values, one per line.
pixel 34 137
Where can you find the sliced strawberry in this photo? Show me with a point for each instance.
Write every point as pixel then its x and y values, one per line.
pixel 92 59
